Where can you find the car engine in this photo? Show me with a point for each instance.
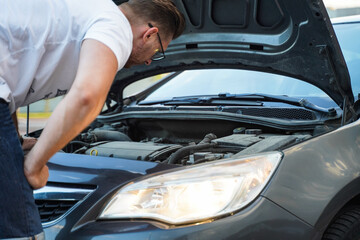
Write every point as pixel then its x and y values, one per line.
pixel 184 142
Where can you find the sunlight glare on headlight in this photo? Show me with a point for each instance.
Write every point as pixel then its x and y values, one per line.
pixel 194 193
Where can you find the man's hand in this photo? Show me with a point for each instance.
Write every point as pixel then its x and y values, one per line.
pixel 36 178
pixel 28 143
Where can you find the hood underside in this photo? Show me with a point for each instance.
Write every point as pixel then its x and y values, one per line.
pixel 292 38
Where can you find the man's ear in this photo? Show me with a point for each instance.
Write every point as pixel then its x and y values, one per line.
pixel 150 33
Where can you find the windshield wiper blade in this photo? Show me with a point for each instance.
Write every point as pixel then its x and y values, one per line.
pixel 203 100
pixel 240 100
pixel 279 98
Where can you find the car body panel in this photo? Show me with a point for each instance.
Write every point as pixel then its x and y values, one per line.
pixel 261 220
pixel 325 179
pixel 302 202
pixel 309 196
pixel 98 171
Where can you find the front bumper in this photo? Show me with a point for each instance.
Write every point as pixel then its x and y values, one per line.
pixel 262 219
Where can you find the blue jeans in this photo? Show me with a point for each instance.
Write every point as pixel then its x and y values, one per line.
pixel 19 216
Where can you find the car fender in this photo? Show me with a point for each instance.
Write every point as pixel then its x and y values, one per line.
pixel 318 177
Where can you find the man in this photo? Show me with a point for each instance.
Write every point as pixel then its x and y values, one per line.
pixel 49 48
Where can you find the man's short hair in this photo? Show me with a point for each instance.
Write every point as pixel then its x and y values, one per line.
pixel 163 14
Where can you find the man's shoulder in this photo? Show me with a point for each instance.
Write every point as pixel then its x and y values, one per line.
pixel 91 7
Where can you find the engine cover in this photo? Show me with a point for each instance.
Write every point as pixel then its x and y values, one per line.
pixel 134 150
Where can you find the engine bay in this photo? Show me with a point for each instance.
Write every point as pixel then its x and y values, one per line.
pixel 183 142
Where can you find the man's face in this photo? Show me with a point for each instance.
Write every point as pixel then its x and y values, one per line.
pixel 143 51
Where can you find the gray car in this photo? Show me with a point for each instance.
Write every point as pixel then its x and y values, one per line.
pixel 252 132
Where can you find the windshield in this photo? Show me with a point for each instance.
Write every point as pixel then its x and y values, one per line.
pixel 347 35
pixel 234 81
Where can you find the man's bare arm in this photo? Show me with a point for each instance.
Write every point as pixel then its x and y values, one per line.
pixel 96 71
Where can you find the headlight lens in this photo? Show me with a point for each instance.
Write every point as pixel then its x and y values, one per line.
pixel 195 193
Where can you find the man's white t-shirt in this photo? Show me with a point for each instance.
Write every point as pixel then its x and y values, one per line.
pixel 40 44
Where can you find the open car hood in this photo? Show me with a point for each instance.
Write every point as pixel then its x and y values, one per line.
pixel 293 38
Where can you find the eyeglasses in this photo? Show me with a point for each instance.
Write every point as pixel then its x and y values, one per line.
pixel 158 55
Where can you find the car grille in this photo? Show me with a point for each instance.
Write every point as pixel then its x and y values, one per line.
pixel 51 210
pixel 282 113
pixel 54 203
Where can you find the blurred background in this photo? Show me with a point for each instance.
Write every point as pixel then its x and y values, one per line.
pixel 41 111
pixel 341 8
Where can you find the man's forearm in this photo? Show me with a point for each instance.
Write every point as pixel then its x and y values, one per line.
pixel 65 123
pixel 70 117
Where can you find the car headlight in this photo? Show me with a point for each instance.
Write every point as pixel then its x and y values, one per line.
pixel 194 193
